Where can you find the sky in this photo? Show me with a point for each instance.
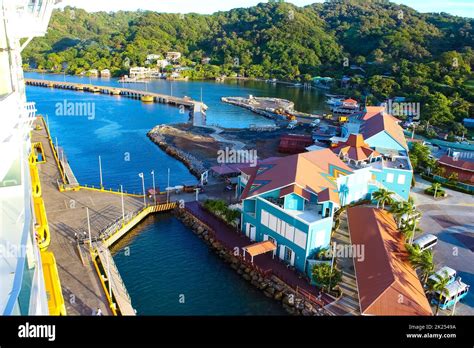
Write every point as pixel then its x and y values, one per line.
pixel 456 7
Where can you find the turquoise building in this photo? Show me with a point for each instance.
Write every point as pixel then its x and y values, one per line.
pixel 291 200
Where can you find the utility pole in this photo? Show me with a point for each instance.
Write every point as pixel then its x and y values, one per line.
pixel 100 173
pixel 154 187
pixel 89 227
pixel 123 206
pixel 143 186
pixel 168 188
pixel 332 265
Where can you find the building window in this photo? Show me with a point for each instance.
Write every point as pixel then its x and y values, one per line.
pixel 264 218
pixel 272 223
pixel 300 239
pixel 401 179
pixel 390 177
pixel 288 254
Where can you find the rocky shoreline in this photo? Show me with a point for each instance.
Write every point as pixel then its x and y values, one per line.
pixel 271 287
pixel 195 166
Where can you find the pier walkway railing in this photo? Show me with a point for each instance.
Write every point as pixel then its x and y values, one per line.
pixel 112 282
pixel 115 288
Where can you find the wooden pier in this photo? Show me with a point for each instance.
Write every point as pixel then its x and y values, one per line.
pixel 146 96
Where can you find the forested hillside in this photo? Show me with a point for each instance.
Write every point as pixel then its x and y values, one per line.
pixel 427 57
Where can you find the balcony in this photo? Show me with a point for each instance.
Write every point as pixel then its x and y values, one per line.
pixel 310 214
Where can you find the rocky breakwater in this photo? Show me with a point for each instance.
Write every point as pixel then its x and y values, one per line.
pixel 270 285
pixel 158 136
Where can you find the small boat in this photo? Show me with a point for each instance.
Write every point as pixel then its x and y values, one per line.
pixel 147 98
pixel 94 89
pixel 332 101
pixel 292 124
pixel 116 92
pixel 80 88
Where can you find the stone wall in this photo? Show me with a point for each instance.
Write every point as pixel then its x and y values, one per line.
pixel 271 286
pixel 193 164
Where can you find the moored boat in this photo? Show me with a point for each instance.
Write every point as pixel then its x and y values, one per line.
pixel 147 98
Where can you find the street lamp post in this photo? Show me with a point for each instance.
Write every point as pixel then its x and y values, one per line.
pixel 123 206
pixel 332 265
pixel 168 188
pixel 143 186
pixel 100 172
pixel 89 227
pixel 154 187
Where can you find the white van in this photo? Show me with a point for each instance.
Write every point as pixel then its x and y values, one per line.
pixel 425 242
pixel 443 272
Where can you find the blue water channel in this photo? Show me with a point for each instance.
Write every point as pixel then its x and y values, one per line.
pixel 162 260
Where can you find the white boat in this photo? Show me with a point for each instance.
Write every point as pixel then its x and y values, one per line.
pixel 334 101
pixel 292 124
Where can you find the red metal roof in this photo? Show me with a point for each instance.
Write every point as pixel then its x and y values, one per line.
pixel 457 163
pixel 387 283
pixel 384 122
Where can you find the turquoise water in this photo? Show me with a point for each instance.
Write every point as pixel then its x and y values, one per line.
pixel 166 259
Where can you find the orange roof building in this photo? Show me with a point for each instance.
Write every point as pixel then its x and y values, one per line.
pixel 313 171
pixel 355 149
pixel 383 123
pixel 387 283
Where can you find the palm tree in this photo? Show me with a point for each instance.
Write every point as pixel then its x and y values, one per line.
pixel 435 187
pixel 440 285
pixel 426 265
pixel 421 260
pixel 383 196
pixel 409 231
pixel 405 211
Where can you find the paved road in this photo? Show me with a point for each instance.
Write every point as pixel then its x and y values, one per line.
pixel 452 221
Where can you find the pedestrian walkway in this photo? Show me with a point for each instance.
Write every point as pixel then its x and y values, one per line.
pixel 348 303
pixel 231 239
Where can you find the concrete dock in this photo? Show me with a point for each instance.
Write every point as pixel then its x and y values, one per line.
pixel 82 287
pixel 185 102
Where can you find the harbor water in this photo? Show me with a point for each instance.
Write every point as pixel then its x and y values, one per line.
pixel 166 268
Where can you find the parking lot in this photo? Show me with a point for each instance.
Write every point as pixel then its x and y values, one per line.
pixel 451 219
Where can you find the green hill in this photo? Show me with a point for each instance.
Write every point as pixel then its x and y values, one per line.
pixel 427 57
